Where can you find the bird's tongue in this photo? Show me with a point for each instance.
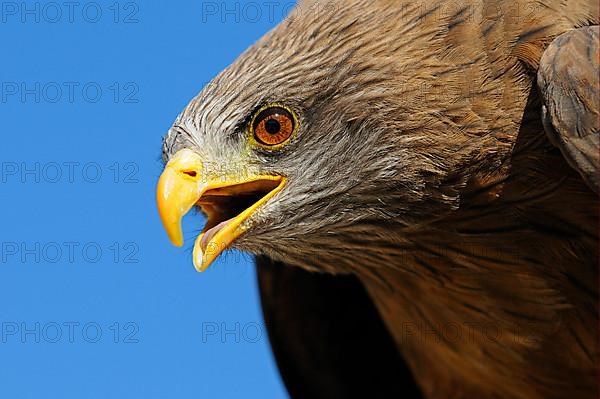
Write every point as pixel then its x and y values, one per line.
pixel 210 233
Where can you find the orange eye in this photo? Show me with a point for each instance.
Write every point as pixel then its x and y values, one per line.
pixel 273 126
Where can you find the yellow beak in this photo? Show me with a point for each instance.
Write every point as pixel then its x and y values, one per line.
pixel 185 183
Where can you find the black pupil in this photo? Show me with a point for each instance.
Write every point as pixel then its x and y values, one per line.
pixel 272 126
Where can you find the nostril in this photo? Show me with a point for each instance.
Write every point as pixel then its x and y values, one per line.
pixel 191 173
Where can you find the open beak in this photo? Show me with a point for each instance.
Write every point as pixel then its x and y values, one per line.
pixel 227 202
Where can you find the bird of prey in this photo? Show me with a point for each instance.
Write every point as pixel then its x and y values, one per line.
pixel 418 182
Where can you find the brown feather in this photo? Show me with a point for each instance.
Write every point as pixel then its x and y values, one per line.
pixel 422 167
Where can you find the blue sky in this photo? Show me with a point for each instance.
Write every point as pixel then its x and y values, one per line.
pixel 95 302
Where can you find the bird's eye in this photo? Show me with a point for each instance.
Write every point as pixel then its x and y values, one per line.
pixel 273 125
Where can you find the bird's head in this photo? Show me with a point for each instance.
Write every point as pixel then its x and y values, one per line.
pixel 310 143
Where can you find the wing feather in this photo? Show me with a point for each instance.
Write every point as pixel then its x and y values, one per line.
pixel 569 84
pixel 327 336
